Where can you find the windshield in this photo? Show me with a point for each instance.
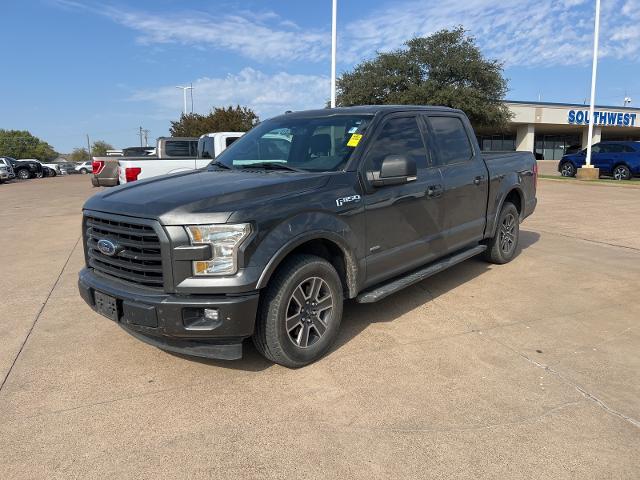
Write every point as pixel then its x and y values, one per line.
pixel 317 144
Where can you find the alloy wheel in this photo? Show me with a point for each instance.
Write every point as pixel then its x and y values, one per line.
pixel 507 234
pixel 567 170
pixel 309 312
pixel 620 173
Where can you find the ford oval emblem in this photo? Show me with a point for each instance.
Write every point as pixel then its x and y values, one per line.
pixel 107 247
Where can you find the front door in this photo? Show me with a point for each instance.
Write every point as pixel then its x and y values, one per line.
pixel 403 222
pixel 465 179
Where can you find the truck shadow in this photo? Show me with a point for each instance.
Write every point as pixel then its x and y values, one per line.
pixel 357 317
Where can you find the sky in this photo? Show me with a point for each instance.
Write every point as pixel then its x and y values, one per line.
pixel 72 68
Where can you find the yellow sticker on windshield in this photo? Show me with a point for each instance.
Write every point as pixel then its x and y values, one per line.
pixel 354 140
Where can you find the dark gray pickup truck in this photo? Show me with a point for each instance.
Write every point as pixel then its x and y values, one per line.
pixel 304 211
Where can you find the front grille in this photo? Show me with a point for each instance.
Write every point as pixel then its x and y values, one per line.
pixel 138 258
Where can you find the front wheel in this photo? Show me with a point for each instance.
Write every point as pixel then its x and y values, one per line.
pixel 567 169
pixel 300 312
pixel 23 174
pixel 502 247
pixel 622 172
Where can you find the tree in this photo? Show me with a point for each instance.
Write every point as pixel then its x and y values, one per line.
pixel 446 68
pixel 22 144
pixel 230 119
pixel 79 155
pixel 100 147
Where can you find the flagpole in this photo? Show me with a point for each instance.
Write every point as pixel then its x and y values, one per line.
pixel 334 38
pixel 594 72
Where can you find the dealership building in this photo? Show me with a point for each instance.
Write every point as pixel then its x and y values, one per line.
pixel 549 129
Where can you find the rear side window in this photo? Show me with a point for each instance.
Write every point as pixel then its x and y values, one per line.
pixel 178 148
pixel 451 139
pixel 229 140
pixel 399 136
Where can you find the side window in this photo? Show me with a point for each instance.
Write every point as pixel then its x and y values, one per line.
pixel 193 148
pixel 627 149
pixel 451 139
pixel 613 148
pixel 400 136
pixel 177 148
pixel 597 148
pixel 229 140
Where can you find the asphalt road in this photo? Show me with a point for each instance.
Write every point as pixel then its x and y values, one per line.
pixel 527 370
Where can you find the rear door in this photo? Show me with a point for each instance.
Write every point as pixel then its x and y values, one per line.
pixel 403 222
pixel 465 179
pixel 605 155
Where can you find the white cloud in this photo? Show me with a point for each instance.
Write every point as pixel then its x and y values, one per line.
pixel 518 32
pixel 268 95
pixel 262 37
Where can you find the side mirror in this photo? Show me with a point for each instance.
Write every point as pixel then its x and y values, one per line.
pixel 395 170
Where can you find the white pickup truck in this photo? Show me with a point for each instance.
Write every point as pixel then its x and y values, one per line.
pixel 209 146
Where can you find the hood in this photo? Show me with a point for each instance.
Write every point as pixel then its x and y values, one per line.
pixel 201 196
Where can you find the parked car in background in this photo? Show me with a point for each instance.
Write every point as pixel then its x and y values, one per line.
pixel 6 162
pixel 206 148
pixel 67 168
pixel 616 158
pixel 50 169
pixel 105 169
pixel 25 169
pixel 84 168
pixel 268 243
pixel 4 173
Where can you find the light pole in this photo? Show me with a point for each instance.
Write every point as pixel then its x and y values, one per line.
pixel 334 39
pixel 594 73
pixel 184 96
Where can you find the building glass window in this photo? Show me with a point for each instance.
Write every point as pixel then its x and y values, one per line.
pixel 497 143
pixel 553 147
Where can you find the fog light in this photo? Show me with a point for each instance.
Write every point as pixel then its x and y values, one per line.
pixel 201 319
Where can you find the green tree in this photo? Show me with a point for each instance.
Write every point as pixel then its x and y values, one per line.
pixel 446 68
pixel 22 144
pixel 100 147
pixel 230 119
pixel 79 155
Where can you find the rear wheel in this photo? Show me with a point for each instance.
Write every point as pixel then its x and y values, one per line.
pixel 502 248
pixel 23 174
pixel 622 172
pixel 84 171
pixel 300 312
pixel 567 169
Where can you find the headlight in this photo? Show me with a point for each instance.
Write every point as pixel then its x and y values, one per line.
pixel 224 241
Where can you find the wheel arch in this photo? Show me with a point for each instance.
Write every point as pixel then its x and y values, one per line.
pixel 514 195
pixel 325 244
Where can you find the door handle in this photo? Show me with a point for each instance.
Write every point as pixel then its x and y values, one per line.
pixel 434 191
pixel 478 179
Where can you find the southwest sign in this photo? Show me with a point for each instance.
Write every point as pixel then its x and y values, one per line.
pixel 611 119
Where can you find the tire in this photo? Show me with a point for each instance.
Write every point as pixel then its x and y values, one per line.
pixel 23 174
pixel 567 169
pixel 621 172
pixel 54 173
pixel 84 171
pixel 40 175
pixel 503 247
pixel 299 286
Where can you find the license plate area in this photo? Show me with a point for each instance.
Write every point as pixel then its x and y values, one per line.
pixel 106 305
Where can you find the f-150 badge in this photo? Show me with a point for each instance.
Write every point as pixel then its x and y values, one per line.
pixel 343 200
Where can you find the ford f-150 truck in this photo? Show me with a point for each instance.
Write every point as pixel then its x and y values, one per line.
pixel 304 211
pixel 105 169
pixel 208 147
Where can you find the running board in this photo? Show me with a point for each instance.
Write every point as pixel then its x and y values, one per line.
pixel 382 291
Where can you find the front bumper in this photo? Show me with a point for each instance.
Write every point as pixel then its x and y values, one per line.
pixel 166 320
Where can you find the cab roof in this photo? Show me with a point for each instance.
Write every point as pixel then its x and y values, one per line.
pixel 367 110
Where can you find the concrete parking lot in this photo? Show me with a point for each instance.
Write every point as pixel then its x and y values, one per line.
pixel 526 370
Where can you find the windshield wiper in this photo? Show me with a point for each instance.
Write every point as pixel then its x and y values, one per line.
pixel 270 166
pixel 218 163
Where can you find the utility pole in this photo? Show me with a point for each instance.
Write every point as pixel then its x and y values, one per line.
pixel 140 135
pixel 594 74
pixel 146 137
pixel 89 147
pixel 184 96
pixel 334 41
pixel 191 97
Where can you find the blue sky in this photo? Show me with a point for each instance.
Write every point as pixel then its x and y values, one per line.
pixel 72 67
